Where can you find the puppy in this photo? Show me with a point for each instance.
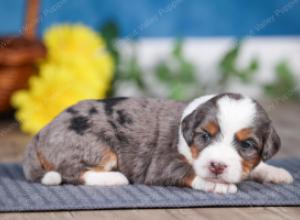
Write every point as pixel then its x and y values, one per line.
pixel 209 144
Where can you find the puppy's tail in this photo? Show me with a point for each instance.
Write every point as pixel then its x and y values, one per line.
pixel 37 168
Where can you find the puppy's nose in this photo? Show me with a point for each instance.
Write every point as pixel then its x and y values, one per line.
pixel 216 167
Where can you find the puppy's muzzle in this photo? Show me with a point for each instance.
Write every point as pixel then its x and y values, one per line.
pixel 217 168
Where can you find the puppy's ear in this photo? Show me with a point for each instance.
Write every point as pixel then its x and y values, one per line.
pixel 187 128
pixel 272 144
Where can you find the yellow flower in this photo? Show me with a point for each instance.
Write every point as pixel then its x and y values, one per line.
pixel 77 68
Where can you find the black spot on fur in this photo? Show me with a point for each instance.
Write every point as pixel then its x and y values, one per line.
pixel 93 110
pixel 123 117
pixel 79 124
pixel 72 111
pixel 112 124
pixel 105 138
pixel 121 137
pixel 110 103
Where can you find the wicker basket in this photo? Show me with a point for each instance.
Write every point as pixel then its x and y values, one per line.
pixel 18 56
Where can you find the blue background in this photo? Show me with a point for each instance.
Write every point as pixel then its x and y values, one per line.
pixel 142 18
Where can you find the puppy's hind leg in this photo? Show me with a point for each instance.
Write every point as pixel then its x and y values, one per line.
pixel 103 174
pixel 270 174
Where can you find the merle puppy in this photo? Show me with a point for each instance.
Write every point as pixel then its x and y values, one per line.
pixel 209 144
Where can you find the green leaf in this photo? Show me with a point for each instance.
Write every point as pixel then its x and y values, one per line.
pixel 135 73
pixel 247 74
pixel 187 73
pixel 228 62
pixel 180 76
pixel 284 84
pixel 177 49
pixel 110 33
pixel 177 91
pixel 163 73
pixel 229 69
pixel 254 65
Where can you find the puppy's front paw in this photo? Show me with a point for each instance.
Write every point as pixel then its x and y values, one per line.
pixel 207 186
pixel 223 188
pixel 279 176
pixel 271 174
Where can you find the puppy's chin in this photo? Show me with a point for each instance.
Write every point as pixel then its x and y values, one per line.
pixel 215 180
pixel 233 173
pixel 225 178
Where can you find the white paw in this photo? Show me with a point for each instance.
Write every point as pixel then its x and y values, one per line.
pixel 278 176
pixel 271 174
pixel 93 178
pixel 220 188
pixel 51 178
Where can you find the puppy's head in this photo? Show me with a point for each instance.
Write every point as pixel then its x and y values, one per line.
pixel 226 136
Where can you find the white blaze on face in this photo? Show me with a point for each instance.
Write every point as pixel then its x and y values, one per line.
pixel 233 115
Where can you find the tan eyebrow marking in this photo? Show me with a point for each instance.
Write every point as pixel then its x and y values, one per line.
pixel 211 127
pixel 243 134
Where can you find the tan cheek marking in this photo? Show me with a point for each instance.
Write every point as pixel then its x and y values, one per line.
pixel 188 180
pixel 243 134
pixel 195 152
pixel 212 128
pixel 46 165
pixel 248 165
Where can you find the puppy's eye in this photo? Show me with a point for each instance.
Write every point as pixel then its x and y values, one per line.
pixel 205 137
pixel 248 144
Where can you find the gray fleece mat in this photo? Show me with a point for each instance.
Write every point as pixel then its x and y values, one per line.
pixel 18 195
